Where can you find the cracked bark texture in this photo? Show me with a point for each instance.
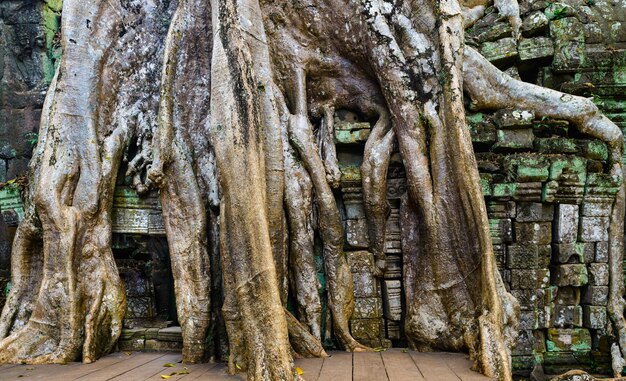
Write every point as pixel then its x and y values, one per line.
pixel 223 108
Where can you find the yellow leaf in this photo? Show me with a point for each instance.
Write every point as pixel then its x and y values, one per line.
pixel 165 376
pixel 237 366
pixel 169 365
pixel 299 371
pixel 184 371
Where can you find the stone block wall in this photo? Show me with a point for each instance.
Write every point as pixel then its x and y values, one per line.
pixel 28 53
pixel 549 203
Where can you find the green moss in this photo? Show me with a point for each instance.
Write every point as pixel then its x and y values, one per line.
pixel 51 17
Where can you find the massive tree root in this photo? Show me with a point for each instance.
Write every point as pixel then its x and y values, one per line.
pixel 79 304
pixel 378 149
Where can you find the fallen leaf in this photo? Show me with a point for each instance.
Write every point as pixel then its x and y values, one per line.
pixel 165 376
pixel 299 371
pixel 169 365
pixel 184 371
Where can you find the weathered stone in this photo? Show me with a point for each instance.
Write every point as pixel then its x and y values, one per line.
pixel 352 137
pixel 163 346
pixel 499 209
pixel 567 253
pixel 602 252
pixel 513 119
pixel 361 261
pixel 131 345
pixel 364 285
pixel 354 210
pixel 356 234
pixel 501 230
pixel 544 255
pixel 594 209
pixel 525 168
pixel 534 23
pixel 595 317
pixel 522 256
pixel 170 334
pixel 528 320
pixel 567 296
pixel 491 32
pixel 599 274
pixel 595 295
pixel 524 343
pixel 530 279
pixel 533 232
pixel 555 145
pixel 367 308
pixel 504 191
pixel 535 48
pixel 393 329
pixel 501 51
pixel 594 229
pixel 482 130
pixel 568 176
pixel 546 128
pixel 499 252
pixel 529 299
pixel 558 10
pixel 566 316
pixel 530 192
pixel 534 212
pixel 593 149
pixel 527 6
pixel 133 333
pixel 568 35
pixel 570 275
pixel 392 299
pixel 572 339
pixel 152 333
pixel 365 329
pixel 393 270
pixel 566 223
pixel 514 140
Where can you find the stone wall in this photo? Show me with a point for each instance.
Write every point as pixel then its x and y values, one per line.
pixel 28 53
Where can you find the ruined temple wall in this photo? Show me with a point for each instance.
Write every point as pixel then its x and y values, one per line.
pixel 28 53
pixel 546 186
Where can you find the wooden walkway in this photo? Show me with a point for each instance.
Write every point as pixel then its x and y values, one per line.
pixel 391 365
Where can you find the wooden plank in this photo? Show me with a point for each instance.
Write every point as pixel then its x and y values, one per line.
pixel 124 366
pixel 21 372
pixel 311 368
pixel 150 368
pixel 433 366
pixel 368 366
pixel 77 369
pixel 196 371
pixel 220 373
pixel 400 366
pixel 337 367
pixel 461 366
